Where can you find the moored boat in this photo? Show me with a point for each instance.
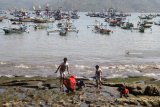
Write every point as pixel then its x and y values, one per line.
pixel 157 23
pixel 14 30
pixel 1 18
pixel 127 25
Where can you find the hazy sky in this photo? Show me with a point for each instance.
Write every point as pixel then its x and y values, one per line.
pixel 85 5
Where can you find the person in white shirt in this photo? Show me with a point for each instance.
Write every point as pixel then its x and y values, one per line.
pixel 64 66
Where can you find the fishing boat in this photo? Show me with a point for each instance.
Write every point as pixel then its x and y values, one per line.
pixel 41 20
pixel 64 28
pixel 63 31
pixel 101 29
pixel 157 23
pixel 38 20
pixel 39 26
pixel 127 25
pixel 19 19
pixel 148 17
pixel 14 30
pixel 104 31
pixel 146 25
pixel 60 25
pixel 16 23
pixel 25 20
pixel 2 17
pixel 141 29
pixel 113 22
pixel 74 15
pixel 147 22
pixel 142 17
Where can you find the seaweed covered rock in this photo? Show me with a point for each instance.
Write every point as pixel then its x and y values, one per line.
pixel 140 89
pixel 140 100
pixel 152 91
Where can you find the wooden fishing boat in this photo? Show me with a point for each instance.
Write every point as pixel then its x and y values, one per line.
pixel 104 31
pixel 39 20
pixel 147 25
pixel 113 22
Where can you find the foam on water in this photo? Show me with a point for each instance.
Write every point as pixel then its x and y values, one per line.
pixel 28 76
pixel 116 76
pixel 153 75
pixel 9 76
pixel 22 66
pixel 3 63
pixel 82 66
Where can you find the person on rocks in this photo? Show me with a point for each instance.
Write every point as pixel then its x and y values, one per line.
pixel 98 76
pixel 70 83
pixel 64 66
pixel 124 91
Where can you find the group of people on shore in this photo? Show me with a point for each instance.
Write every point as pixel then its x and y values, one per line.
pixel 64 67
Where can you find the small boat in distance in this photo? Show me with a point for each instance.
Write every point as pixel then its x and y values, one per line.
pixel 1 18
pixel 14 30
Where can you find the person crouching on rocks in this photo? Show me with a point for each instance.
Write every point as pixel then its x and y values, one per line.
pixel 62 68
pixel 124 91
pixel 98 76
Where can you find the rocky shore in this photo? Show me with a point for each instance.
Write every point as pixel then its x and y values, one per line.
pixel 44 92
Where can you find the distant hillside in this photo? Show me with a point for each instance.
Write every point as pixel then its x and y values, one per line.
pixel 87 5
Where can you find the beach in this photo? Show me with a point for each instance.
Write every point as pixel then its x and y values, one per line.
pixel 44 92
pixel 28 61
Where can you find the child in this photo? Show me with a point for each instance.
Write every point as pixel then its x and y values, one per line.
pixel 124 91
pixel 62 68
pixel 98 76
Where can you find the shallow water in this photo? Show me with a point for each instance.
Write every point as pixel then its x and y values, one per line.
pixel 36 53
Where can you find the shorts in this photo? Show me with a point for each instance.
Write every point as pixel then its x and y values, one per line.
pixel 98 78
pixel 62 74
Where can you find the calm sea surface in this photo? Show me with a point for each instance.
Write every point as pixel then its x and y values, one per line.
pixel 36 53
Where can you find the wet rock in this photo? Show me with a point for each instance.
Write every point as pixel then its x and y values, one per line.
pixel 55 105
pixel 50 86
pixel 144 90
pixel 6 105
pixel 87 101
pixel 152 91
pixel 112 84
pixel 92 105
pixel 62 102
pixel 40 85
pixel 130 101
pixel 144 101
pixel 82 98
